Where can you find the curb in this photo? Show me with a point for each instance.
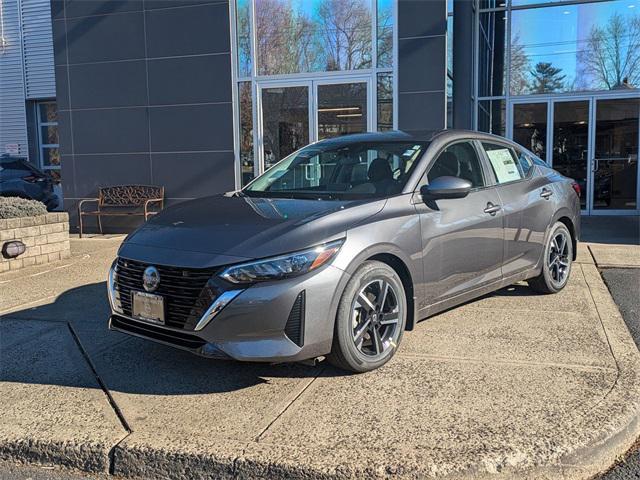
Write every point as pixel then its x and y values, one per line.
pixel 87 457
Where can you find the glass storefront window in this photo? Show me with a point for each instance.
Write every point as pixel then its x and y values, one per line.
pixel 492 54
pixel 385 33
pixel 492 4
pixel 246 132
pixel 385 102
pixel 577 47
pixel 48 136
pixel 530 127
pixel 243 26
pixel 492 116
pixel 48 113
pixel 297 36
pixel 301 39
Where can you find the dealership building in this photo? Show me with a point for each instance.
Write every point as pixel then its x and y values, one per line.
pixel 201 96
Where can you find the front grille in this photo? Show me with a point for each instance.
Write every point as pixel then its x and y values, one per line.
pixel 187 292
pixel 157 333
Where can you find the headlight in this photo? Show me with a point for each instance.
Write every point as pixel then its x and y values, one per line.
pixel 285 266
pixel 114 296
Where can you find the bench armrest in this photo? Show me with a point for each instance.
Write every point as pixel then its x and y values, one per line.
pixel 86 200
pixel 149 202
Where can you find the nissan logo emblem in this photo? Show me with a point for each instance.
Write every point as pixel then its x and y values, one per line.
pixel 150 279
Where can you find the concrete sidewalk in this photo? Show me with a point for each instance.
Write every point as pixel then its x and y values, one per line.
pixel 512 385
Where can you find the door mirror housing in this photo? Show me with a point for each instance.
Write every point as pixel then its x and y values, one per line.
pixel 446 187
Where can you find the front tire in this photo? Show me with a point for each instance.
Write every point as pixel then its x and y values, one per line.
pixel 371 319
pixel 556 266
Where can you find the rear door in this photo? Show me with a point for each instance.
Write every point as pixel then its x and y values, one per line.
pixel 462 238
pixel 526 202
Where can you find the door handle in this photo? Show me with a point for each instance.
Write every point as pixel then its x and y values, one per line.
pixel 546 193
pixel 492 209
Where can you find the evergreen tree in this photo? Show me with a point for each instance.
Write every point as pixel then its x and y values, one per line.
pixel 546 78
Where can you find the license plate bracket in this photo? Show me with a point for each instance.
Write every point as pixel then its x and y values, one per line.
pixel 147 307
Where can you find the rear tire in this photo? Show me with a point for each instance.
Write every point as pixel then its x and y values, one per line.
pixel 556 261
pixel 371 319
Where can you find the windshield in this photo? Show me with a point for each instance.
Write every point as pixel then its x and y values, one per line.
pixel 330 171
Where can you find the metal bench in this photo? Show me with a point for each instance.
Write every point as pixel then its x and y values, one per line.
pixel 123 200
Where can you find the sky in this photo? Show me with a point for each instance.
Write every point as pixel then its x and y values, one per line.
pixel 550 33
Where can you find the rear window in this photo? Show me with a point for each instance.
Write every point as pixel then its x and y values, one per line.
pixel 504 162
pixel 15 166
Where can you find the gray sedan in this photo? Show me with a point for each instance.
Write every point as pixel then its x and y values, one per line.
pixel 343 245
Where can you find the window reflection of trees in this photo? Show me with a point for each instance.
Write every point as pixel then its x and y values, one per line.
pixel 607 54
pixel 294 37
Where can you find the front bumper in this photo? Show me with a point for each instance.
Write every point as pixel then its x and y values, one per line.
pixel 280 321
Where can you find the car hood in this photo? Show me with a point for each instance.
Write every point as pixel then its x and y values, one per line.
pixel 226 229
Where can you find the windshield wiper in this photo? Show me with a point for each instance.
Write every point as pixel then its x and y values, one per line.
pixel 294 194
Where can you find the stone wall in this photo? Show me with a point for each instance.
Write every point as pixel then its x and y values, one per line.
pixel 45 236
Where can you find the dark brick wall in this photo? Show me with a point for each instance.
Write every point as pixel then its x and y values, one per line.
pixel 144 92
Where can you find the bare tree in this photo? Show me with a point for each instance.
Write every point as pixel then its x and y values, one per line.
pixel 519 67
pixel 610 58
pixel 385 36
pixel 284 39
pixel 345 33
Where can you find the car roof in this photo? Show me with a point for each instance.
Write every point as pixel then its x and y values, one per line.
pixel 11 158
pixel 403 136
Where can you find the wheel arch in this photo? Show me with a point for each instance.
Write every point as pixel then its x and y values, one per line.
pixel 407 282
pixel 568 222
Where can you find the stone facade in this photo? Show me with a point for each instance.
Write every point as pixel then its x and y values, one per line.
pixel 45 236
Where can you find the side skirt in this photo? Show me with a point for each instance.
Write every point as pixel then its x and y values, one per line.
pixel 443 305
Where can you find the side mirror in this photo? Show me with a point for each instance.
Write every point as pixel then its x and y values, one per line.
pixel 446 187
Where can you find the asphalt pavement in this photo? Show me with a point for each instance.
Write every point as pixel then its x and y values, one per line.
pixel 624 285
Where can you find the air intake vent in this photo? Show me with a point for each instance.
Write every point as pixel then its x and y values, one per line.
pixel 295 323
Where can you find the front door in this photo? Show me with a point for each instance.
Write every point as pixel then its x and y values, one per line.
pixel 463 237
pixel 294 114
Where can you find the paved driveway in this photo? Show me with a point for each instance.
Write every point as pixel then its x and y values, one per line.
pixel 512 384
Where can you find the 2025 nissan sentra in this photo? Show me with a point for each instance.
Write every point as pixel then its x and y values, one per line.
pixel 343 245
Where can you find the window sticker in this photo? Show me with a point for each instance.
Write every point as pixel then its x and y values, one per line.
pixel 503 165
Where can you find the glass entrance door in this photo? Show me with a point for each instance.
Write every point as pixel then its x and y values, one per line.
pixel 615 159
pixel 285 121
pixel 570 142
pixel 342 109
pixel 591 139
pixel 292 115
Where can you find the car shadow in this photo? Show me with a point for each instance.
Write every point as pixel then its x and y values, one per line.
pixel 67 343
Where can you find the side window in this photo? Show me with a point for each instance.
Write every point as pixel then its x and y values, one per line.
pixel 458 160
pixel 504 162
pixel 525 163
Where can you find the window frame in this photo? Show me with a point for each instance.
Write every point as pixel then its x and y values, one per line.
pixel 424 178
pixel 40 124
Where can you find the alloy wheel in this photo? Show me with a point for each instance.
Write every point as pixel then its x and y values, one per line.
pixel 376 314
pixel 558 261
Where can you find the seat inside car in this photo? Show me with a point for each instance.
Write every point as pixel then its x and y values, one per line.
pixel 446 165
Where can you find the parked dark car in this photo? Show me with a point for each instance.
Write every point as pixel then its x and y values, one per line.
pixel 19 178
pixel 343 245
